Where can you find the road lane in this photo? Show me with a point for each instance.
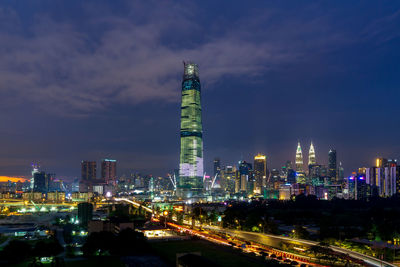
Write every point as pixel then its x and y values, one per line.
pixel 278 241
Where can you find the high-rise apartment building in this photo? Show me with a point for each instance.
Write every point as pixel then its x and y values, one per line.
pixel 191 154
pixel 109 171
pixel 88 170
pixel 260 173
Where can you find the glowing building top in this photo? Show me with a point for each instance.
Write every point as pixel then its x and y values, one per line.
pixel 311 156
pixel 299 159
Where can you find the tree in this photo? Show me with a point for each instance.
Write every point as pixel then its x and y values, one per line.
pixel 47 249
pixel 16 250
pixel 129 242
pixel 198 214
pixel 301 232
pixel 100 242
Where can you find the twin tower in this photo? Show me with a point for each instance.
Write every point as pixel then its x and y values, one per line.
pixel 191 170
pixel 299 157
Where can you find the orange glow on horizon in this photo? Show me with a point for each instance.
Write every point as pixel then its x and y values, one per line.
pixel 12 179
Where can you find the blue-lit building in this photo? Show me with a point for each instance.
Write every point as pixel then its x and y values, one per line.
pixel 359 189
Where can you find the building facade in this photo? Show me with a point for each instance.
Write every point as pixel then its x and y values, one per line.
pixel 191 133
pixel 260 173
pixel 88 170
pixel 311 155
pixel 332 165
pixel 299 159
pixel 109 171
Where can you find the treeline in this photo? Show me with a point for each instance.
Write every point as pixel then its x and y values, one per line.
pixel 127 242
pixel 375 219
pixel 18 250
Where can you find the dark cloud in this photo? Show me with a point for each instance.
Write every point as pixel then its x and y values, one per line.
pixel 128 62
pixel 95 79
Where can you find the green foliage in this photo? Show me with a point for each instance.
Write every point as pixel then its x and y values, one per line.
pixel 47 248
pixel 16 251
pixel 377 219
pixel 245 216
pixel 301 232
pixel 127 242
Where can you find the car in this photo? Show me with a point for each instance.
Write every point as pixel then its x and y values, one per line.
pixel 294 263
pixel 280 258
pixel 273 256
pixel 287 261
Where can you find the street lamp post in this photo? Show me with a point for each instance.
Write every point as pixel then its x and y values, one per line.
pixel 165 213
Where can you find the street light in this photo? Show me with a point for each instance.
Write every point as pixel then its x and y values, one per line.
pixel 165 213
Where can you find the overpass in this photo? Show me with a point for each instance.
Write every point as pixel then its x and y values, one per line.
pixel 136 204
pixel 276 241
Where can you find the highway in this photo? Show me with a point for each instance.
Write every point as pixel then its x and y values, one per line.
pixel 277 241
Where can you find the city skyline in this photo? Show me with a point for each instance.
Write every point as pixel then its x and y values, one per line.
pixel 81 96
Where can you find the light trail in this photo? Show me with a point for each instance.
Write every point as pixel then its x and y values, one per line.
pixel 356 255
pixel 134 204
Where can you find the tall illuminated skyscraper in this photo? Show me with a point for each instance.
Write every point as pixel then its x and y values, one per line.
pixel 260 173
pixel 191 156
pixel 332 165
pixel 311 156
pixel 35 169
pixel 299 159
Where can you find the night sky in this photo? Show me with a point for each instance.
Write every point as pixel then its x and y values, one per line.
pixel 85 80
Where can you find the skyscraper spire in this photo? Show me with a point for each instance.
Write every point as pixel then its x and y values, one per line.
pixel 299 159
pixel 311 156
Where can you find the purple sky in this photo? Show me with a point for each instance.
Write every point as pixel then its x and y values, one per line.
pixel 92 79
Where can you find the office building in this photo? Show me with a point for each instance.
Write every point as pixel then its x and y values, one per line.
pixel 35 169
pixel 260 173
pixel 88 176
pixel 109 171
pixel 40 181
pixel 217 166
pixel 311 156
pixel 359 189
pixel 243 177
pixel 88 170
pixel 381 162
pixel 228 179
pixel 299 159
pixel 340 173
pixel 191 133
pixel 332 165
